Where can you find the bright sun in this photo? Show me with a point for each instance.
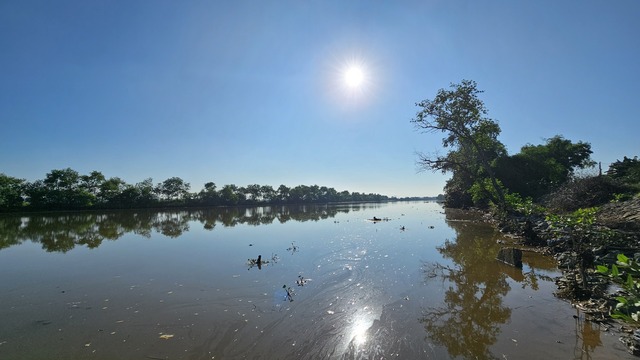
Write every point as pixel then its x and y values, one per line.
pixel 353 76
pixel 352 81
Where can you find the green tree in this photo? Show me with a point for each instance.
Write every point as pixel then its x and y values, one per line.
pixel 472 137
pixel 298 194
pixel 230 195
pixel 344 196
pixel 145 192
pixel 11 191
pixel 110 190
pixel 314 193
pixel 63 190
pixel 540 169
pixel 141 194
pixel 269 195
pixel 36 194
pixel 627 170
pixel 209 195
pixel 253 193
pixel 328 194
pixel 173 188
pixel 283 193
pixel 92 182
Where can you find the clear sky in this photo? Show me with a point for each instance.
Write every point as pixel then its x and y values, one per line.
pixel 254 92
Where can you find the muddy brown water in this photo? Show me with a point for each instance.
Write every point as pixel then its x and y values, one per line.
pixel 331 285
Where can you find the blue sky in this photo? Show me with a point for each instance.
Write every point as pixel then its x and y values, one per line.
pixel 246 92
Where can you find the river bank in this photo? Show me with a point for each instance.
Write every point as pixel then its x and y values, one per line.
pixel 577 258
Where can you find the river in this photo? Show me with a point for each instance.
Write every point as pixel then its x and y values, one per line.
pixel 331 283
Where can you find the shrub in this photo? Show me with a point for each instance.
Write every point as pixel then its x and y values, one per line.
pixel 583 193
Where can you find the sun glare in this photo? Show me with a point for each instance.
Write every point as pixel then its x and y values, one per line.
pixel 353 76
pixel 352 81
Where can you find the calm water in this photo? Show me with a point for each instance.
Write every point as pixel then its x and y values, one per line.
pixel 331 284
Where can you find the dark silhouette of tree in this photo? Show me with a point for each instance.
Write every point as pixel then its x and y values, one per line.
pixel 66 189
pixel 472 138
pixel 173 189
pixel 92 183
pixel 110 190
pixel 627 170
pixel 209 195
pixel 11 192
pixel 539 169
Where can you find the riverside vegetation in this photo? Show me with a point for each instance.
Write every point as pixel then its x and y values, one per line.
pixel 67 189
pixel 589 223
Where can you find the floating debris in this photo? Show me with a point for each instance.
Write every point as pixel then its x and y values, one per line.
pixel 302 281
pixel 166 336
pixel 256 262
pixel 293 248
pixel 259 262
pixel 290 293
pixel 376 219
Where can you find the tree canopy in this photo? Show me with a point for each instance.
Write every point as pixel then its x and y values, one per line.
pixel 627 170
pixel 482 172
pixel 66 189
pixel 471 137
pixel 538 169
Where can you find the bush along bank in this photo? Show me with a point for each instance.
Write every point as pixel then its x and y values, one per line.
pixel 598 251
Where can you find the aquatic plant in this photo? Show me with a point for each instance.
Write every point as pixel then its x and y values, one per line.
pixel 626 272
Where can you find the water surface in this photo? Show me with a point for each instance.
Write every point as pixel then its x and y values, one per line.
pixel 421 283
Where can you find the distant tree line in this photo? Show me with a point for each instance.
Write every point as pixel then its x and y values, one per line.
pixel 66 189
pixel 483 173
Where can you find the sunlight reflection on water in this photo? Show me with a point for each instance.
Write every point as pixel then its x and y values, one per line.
pixel 361 325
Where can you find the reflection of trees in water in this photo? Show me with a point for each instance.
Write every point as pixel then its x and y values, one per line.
pixel 587 338
pixel 172 224
pixel 469 322
pixel 62 232
pixel 9 231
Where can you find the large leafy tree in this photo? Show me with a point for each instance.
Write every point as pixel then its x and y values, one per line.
pixel 538 169
pixel 110 189
pixel 209 195
pixel 11 190
pixel 92 182
pixel 61 189
pixel 472 138
pixel 627 170
pixel 268 193
pixel 283 193
pixel 231 195
pixel 173 188
pixel 253 193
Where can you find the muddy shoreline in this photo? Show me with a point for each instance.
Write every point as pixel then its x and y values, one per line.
pixel 597 299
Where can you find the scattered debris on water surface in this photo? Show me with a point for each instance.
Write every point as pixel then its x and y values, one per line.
pixel 259 262
pixel 290 293
pixel 302 281
pixel 293 248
